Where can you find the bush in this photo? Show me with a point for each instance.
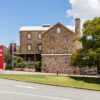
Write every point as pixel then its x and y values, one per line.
pixel 38 66
pixel 44 65
pixel 19 62
pixel 22 64
pixel 8 66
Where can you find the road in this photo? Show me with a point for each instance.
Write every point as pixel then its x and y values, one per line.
pixel 16 90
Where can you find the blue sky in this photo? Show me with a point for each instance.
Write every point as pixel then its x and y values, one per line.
pixel 17 13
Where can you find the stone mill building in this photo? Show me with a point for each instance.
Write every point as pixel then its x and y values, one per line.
pixel 52 45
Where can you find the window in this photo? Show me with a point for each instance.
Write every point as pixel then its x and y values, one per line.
pixel 64 51
pixel 29 59
pixel 58 30
pixel 52 51
pixel 39 35
pixel 64 40
pixel 29 36
pixel 40 47
pixel 68 61
pixel 52 39
pixel 29 47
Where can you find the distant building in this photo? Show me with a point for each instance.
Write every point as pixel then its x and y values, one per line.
pixel 52 45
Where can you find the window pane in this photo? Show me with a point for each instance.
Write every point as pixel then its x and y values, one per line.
pixel 39 35
pixel 40 47
pixel 29 47
pixel 58 30
pixel 29 59
pixel 29 35
pixel 64 51
pixel 52 51
pixel 64 40
pixel 52 39
pixel 68 61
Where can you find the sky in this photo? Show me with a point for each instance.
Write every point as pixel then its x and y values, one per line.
pixel 17 13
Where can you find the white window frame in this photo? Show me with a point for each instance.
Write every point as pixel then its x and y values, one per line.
pixel 68 61
pixel 52 39
pixel 64 40
pixel 29 36
pixel 58 30
pixel 40 47
pixel 40 35
pixel 65 51
pixel 29 47
pixel 52 51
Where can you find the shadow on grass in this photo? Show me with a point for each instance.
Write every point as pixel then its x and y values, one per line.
pixel 87 79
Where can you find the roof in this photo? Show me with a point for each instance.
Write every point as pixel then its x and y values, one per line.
pixel 72 28
pixel 41 28
pixel 67 27
pixel 33 28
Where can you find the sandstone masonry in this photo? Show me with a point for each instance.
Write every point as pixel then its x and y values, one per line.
pixel 52 45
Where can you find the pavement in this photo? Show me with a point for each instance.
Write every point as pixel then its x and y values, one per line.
pixel 24 72
pixel 39 73
pixel 16 90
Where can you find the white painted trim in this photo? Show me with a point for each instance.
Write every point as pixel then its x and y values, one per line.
pixel 57 54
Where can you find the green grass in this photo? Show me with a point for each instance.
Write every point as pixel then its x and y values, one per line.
pixel 71 81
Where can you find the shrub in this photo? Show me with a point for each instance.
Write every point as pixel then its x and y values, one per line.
pixel 22 64
pixel 38 66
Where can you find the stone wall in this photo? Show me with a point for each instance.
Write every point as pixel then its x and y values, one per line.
pixel 34 41
pixel 58 62
pixel 59 45
pixel 71 45
pixel 88 70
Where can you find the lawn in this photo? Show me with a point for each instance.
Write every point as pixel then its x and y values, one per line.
pixel 70 81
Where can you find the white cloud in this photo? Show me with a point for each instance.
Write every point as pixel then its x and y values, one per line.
pixel 84 9
pixel 71 27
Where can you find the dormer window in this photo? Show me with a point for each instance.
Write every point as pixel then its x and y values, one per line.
pixel 58 30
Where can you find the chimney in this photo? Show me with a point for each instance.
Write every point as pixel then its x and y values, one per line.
pixel 77 26
pixel 46 25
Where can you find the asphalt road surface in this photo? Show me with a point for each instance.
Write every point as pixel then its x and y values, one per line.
pixel 16 90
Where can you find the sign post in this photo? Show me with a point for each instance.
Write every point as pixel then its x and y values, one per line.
pixel 12 50
pixel 1 57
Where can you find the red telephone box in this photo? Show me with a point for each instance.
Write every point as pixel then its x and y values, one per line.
pixel 1 56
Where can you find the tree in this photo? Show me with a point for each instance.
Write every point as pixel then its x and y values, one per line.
pixel 38 66
pixel 89 55
pixel 7 57
pixel 19 62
